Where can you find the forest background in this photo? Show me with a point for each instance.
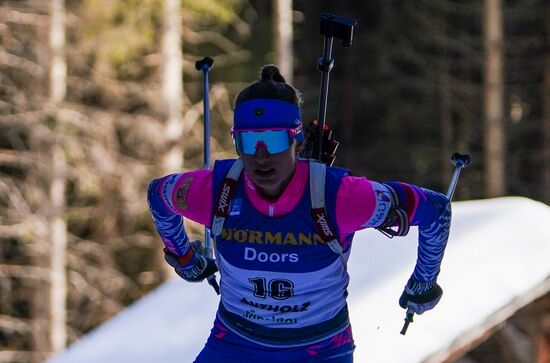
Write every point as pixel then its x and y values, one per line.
pixel 98 97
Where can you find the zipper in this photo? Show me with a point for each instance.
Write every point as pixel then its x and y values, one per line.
pixel 271 210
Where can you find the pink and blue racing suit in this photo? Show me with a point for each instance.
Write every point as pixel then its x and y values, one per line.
pixel 283 291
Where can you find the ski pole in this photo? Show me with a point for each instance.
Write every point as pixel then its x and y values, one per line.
pixel 204 65
pixel 338 27
pixel 459 161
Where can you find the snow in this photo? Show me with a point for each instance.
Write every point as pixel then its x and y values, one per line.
pixel 497 253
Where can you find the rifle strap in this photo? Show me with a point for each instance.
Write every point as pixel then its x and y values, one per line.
pixel 317 177
pixel 229 186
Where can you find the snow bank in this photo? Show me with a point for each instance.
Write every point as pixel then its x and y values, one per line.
pixel 497 257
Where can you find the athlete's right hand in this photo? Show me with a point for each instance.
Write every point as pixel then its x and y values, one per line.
pixel 199 268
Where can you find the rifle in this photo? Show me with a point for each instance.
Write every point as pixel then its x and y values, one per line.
pixel 319 142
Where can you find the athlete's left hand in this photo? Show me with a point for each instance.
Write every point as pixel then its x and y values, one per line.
pixel 420 296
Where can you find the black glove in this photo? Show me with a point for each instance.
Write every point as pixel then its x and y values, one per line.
pixel 420 296
pixel 198 269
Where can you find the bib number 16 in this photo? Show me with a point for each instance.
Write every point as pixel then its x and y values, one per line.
pixel 279 289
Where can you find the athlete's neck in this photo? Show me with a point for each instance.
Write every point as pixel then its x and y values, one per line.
pixel 272 193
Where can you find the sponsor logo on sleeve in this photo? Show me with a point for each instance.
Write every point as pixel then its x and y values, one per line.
pixel 167 188
pixel 181 193
pixel 382 207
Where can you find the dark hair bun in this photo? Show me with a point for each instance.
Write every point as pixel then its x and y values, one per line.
pixel 270 72
pixel 270 85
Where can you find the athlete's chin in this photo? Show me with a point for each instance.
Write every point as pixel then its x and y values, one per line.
pixel 265 176
pixel 267 183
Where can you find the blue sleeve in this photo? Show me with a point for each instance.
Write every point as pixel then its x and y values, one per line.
pixel 168 224
pixel 433 234
pixel 431 212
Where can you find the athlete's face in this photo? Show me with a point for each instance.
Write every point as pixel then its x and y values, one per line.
pixel 270 172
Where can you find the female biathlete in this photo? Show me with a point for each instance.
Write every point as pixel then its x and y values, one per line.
pixel 283 229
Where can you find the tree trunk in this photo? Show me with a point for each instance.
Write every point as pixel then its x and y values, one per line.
pixel 58 67
pixel 58 235
pixel 172 91
pixel 546 111
pixel 284 50
pixel 495 144
pixel 57 222
pixel 172 86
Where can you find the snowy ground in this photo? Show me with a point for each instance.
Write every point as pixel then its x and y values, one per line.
pixel 498 252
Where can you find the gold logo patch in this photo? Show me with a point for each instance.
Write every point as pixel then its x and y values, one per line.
pixel 181 193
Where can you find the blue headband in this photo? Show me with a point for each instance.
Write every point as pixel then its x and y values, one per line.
pixel 267 113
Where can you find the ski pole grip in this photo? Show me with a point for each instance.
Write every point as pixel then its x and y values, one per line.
pixel 204 64
pixel 460 160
